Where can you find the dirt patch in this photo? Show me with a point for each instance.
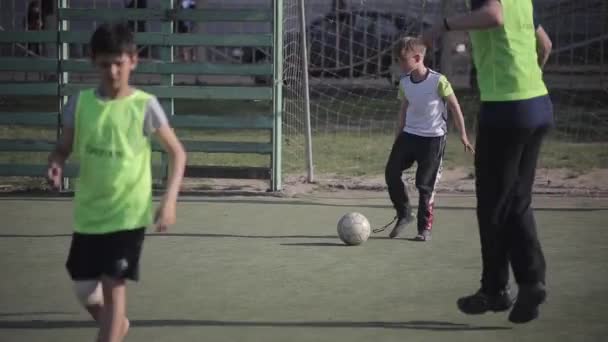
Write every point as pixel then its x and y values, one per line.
pixel 459 180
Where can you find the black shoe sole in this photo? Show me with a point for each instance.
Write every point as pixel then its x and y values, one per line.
pixel 495 308
pixel 526 306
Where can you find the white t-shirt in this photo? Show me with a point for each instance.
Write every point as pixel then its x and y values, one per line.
pixel 427 113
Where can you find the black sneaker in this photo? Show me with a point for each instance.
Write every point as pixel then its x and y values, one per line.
pixel 529 298
pixel 424 235
pixel 400 226
pixel 480 302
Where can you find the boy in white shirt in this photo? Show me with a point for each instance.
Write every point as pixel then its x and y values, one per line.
pixel 421 135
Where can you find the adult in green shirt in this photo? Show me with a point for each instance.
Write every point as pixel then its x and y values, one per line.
pixel 516 113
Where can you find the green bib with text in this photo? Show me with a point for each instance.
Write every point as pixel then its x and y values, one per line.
pixel 114 190
pixel 506 58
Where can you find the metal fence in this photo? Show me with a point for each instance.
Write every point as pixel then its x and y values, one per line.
pixel 47 63
pixel 351 39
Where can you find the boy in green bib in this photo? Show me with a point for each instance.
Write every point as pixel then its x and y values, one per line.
pixel 108 130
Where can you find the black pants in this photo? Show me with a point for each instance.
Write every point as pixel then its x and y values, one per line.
pixel 427 152
pixel 505 166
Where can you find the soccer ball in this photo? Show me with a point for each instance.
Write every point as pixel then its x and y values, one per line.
pixel 353 229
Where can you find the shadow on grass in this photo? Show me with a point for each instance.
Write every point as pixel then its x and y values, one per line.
pixel 7 236
pixel 413 325
pixel 388 205
pixel 199 235
pixel 320 203
pixel 315 244
pixel 35 313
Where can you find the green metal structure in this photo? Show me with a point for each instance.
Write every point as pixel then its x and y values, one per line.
pixel 166 91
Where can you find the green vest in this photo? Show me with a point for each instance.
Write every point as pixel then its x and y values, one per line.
pixel 506 58
pixel 114 190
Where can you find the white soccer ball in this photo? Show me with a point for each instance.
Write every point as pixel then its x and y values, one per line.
pixel 353 229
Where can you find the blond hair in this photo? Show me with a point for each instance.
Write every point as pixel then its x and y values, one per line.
pixel 409 44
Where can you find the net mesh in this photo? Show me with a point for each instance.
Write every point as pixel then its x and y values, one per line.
pixel 353 77
pixel 294 106
pixel 353 83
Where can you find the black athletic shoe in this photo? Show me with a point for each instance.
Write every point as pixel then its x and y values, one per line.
pixel 400 225
pixel 528 300
pixel 480 302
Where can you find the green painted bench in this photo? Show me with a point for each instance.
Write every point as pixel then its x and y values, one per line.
pixel 165 91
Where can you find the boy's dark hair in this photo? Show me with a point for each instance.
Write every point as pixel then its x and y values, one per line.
pixel 112 39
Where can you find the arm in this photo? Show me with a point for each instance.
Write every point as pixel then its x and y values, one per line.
pixel 454 108
pixel 64 146
pixel 401 117
pixel 543 46
pixel 59 155
pixel 165 215
pixel 489 15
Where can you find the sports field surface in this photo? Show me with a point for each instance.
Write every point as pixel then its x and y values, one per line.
pixel 272 269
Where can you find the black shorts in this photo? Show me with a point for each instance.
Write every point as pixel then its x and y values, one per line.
pixel 115 255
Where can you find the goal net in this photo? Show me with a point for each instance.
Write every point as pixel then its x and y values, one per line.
pixel 352 76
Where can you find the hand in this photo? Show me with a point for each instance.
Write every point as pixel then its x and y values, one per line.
pixel 429 36
pixel 165 216
pixel 467 145
pixel 55 173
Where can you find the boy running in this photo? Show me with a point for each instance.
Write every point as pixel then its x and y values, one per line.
pixel 109 130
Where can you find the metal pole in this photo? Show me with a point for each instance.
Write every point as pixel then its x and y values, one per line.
pixel 63 51
pixel 277 98
pixel 13 27
pixel 604 14
pixel 351 39
pixel 166 55
pixel 337 11
pixel 304 58
pixel 557 31
pixel 445 64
